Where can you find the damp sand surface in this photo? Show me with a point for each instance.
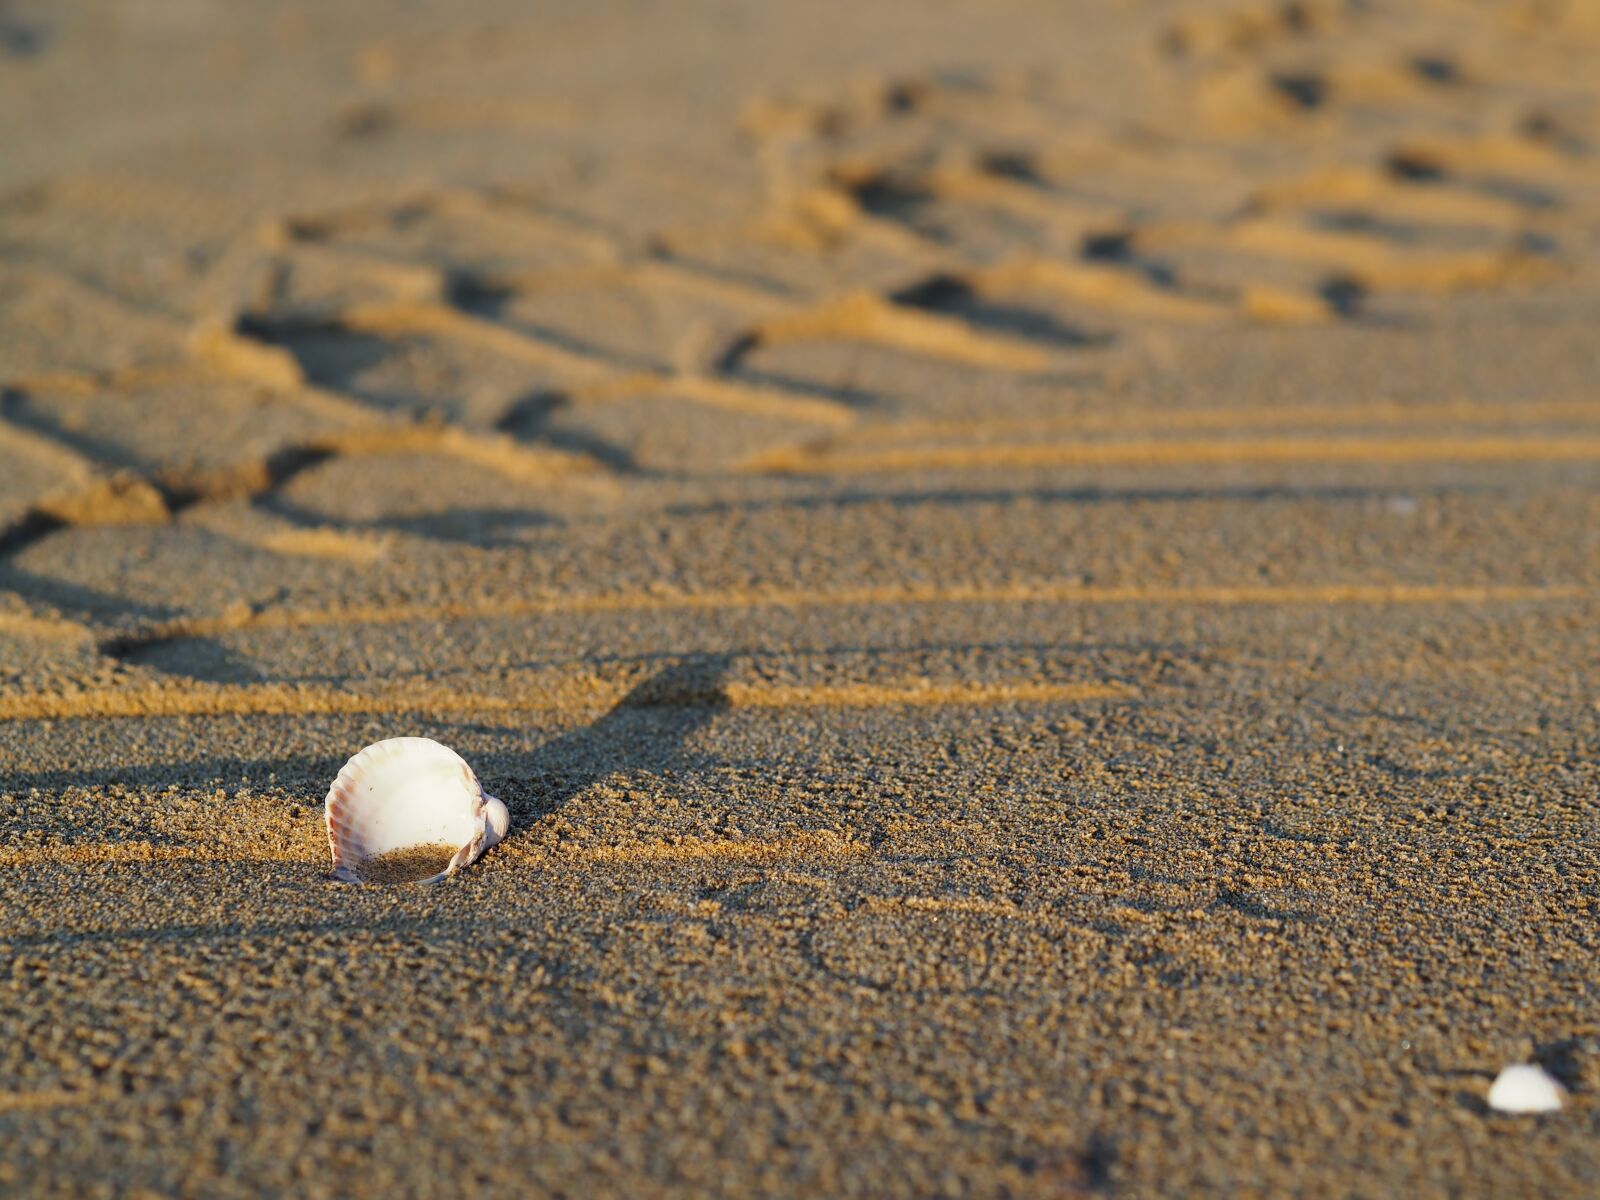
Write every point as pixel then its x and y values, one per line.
pixel 1026 573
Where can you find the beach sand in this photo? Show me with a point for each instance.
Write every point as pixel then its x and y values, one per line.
pixel 1027 571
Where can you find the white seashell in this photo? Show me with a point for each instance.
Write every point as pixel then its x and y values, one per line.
pixel 408 792
pixel 1525 1088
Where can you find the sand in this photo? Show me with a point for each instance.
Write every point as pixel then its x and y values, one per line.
pixel 414 864
pixel 1027 571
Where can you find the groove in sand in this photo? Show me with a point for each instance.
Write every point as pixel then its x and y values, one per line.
pixel 1191 452
pixel 761 400
pixel 267 699
pixel 1097 286
pixel 1372 260
pixel 577 695
pixel 921 692
pixel 1043 592
pixel 664 273
pixel 400 318
pixel 867 317
pixel 376 433
pixel 588 369
pixel 1384 414
pixel 325 542
pixel 1378 190
pixel 240 356
pixel 503 455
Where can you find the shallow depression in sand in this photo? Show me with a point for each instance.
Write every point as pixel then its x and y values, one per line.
pixel 411 865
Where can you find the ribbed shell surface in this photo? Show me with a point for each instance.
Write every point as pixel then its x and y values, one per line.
pixel 401 793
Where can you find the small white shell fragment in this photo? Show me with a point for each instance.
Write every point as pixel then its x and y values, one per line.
pixel 1525 1088
pixel 404 793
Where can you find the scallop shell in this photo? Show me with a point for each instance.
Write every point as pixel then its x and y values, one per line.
pixel 1526 1088
pixel 408 792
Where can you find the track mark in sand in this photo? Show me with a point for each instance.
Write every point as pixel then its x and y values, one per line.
pixel 868 317
pixel 236 353
pixel 984 308
pixel 325 543
pixel 1272 305
pixel 714 391
pixel 1383 414
pixel 826 216
pixel 1099 285
pixel 1043 592
pixel 239 355
pixel 1005 183
pixel 127 498
pixel 124 499
pixel 187 700
pixel 322 541
pixel 653 271
pixel 1407 188
pixel 997 181
pixel 503 455
pixel 88 494
pixel 375 433
pixel 1431 214
pixel 600 378
pixel 589 376
pixel 1492 155
pixel 577 694
pixel 1158 453
pixel 443 321
pixel 253 347
pixel 1367 259
pixel 756 399
pixel 917 693
pixel 496 452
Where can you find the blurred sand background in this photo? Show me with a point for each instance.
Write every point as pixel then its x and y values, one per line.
pixel 1027 571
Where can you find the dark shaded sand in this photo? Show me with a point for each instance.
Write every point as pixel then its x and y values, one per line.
pixel 1027 571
